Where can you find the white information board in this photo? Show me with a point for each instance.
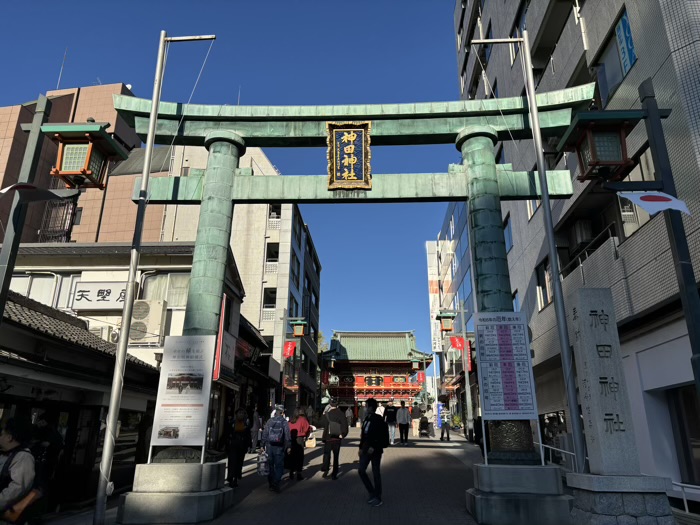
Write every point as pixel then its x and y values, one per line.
pixel 506 383
pixel 183 391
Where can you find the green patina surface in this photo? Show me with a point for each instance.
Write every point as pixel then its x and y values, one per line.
pixel 224 128
pixel 392 124
pixel 407 187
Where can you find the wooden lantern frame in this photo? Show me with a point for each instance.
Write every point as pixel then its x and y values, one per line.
pixel 618 169
pixel 91 180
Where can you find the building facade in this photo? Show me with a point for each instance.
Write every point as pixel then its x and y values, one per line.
pixel 272 247
pixel 603 240
pixel 386 366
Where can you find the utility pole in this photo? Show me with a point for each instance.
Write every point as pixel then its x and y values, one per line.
pixel 104 486
pixel 558 296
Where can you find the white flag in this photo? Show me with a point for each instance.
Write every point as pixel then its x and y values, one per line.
pixel 655 201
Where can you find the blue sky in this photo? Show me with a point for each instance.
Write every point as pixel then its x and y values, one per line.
pixel 278 52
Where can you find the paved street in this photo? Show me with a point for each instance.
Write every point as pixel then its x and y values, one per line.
pixel 423 482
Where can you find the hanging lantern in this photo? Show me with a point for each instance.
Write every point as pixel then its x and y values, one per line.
pixel 83 153
pixel 599 139
pixel 298 328
pixel 446 321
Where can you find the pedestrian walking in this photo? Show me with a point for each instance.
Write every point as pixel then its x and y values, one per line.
pixel 310 414
pixel 445 425
pixel 256 426
pixel 335 428
pixel 374 438
pixel 390 419
pixel 431 421
pixel 348 416
pixel 416 414
pixel 277 440
pixel 403 418
pixel 299 429
pixel 17 470
pixel 363 412
pixel 238 444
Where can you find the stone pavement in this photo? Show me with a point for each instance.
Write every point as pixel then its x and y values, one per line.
pixel 423 483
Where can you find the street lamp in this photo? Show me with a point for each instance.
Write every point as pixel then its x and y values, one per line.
pixel 652 116
pixel 446 319
pixel 24 193
pixel 83 152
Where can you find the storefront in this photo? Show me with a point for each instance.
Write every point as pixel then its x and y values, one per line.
pixel 57 374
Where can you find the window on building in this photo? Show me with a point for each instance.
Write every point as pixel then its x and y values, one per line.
pixel 544 284
pixel 292 307
pixel 78 217
pixel 494 90
pixel 518 28
pixel 516 301
pixel 275 211
pixel 532 206
pixel 269 298
pixel 501 155
pixel 488 47
pixel 297 231
pixel 295 270
pixel 508 233
pixel 272 252
pixel 634 217
pixel 171 287
pixel 685 415
pixel 616 60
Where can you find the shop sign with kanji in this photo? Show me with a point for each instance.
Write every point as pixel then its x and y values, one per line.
pixel 349 156
pixel 98 296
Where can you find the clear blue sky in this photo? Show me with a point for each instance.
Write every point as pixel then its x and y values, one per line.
pixel 277 52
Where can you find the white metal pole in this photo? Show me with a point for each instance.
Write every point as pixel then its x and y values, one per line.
pixel 566 354
pixel 104 487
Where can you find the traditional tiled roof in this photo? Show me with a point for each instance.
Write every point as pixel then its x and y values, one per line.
pixel 375 346
pixel 59 325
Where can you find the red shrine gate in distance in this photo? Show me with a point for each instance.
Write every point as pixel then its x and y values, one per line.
pixel 382 365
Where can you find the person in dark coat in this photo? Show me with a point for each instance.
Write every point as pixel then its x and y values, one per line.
pixel 238 444
pixel 335 428
pixel 374 438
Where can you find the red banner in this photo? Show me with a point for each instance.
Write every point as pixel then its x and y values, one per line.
pixel 457 343
pixel 289 349
pixel 469 356
pixel 421 377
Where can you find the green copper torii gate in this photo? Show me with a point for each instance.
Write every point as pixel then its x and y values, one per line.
pixel 473 126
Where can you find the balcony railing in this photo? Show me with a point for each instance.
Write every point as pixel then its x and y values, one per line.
pixel 268 314
pixel 271 266
pixel 274 224
pixel 593 246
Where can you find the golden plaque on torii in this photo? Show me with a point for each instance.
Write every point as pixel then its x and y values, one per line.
pixel 349 156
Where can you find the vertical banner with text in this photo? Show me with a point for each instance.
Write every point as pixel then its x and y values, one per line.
pixel 183 391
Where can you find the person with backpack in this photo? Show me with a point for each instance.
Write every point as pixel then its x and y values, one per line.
pixel 390 419
pixel 18 483
pixel 335 428
pixel 374 438
pixel 277 440
pixel 238 444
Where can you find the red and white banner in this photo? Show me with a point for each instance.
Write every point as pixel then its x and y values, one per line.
pixel 457 343
pixel 655 201
pixel 289 349
pixel 470 348
pixel 421 377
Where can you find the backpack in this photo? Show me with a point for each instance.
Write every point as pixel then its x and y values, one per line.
pixel 335 429
pixel 20 510
pixel 275 434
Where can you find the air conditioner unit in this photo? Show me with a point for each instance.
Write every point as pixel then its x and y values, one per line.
pixel 147 323
pixel 103 332
pixel 582 233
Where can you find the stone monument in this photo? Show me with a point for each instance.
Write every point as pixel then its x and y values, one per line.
pixel 615 492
